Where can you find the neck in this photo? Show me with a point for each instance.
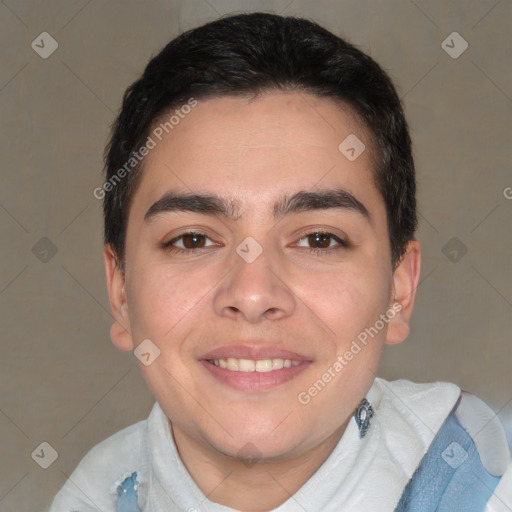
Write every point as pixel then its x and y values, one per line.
pixel 249 485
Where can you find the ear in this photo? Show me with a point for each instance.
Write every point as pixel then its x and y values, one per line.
pixel 405 282
pixel 120 331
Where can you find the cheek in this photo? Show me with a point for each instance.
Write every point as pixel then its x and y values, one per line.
pixel 347 300
pixel 160 300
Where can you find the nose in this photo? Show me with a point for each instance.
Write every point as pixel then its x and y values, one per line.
pixel 255 291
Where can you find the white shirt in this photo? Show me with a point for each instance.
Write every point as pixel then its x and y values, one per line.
pixel 359 474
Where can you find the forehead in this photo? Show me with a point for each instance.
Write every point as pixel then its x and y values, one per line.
pixel 252 151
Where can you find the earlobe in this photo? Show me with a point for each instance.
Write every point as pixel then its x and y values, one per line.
pixel 405 282
pixel 120 332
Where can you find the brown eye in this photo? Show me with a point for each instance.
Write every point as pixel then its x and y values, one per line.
pixel 319 240
pixel 324 242
pixel 193 240
pixel 190 242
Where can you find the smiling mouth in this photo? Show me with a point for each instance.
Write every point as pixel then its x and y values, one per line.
pixel 254 375
pixel 251 365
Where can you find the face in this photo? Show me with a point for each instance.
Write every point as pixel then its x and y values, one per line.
pixel 257 253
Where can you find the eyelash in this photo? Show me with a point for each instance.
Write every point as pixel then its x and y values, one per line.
pixel 342 243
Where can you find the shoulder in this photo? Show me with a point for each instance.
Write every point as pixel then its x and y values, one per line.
pixel 430 404
pixel 501 499
pixel 486 431
pixel 467 463
pixel 418 407
pixel 488 435
pixel 120 452
pixel 93 484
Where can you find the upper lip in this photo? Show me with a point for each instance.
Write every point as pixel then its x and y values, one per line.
pixel 254 352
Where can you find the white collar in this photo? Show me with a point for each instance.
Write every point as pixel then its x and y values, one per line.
pixel 359 474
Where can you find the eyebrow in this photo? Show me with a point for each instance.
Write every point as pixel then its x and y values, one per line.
pixel 301 201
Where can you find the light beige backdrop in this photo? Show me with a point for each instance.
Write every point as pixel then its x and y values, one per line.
pixel 62 381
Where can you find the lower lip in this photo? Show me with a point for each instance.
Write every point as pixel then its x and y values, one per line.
pixel 255 381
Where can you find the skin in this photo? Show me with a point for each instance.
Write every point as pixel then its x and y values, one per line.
pixel 313 303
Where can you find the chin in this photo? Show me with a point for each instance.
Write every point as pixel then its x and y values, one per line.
pixel 257 446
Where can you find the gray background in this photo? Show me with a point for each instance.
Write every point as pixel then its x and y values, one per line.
pixel 62 381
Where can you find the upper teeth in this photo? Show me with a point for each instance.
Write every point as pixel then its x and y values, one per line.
pixel 249 365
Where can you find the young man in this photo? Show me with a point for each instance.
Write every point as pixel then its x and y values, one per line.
pixel 259 251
